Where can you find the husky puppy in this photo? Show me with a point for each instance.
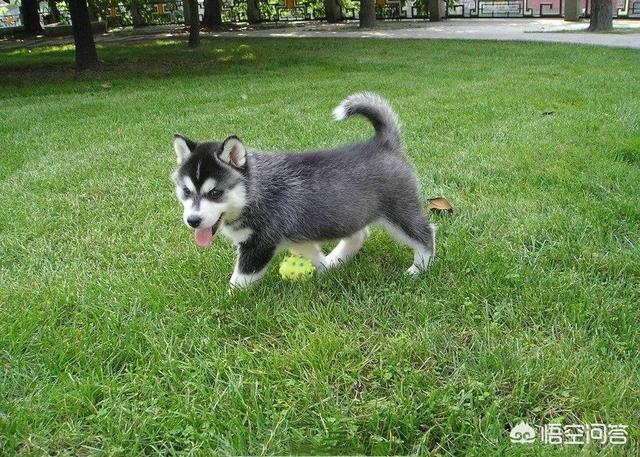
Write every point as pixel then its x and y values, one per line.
pixel 265 202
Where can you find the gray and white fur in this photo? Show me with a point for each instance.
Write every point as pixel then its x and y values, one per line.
pixel 265 202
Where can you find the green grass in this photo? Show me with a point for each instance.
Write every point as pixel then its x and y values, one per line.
pixel 117 335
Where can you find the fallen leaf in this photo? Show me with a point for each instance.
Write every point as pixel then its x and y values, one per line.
pixel 439 205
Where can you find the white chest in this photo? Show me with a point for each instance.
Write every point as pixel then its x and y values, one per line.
pixel 236 235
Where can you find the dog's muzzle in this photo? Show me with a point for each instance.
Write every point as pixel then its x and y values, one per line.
pixel 204 237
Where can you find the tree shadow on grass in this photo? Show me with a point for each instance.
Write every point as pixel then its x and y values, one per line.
pixel 25 68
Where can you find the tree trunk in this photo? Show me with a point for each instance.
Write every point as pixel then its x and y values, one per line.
pixel 367 13
pixel 253 11
pixel 31 17
pixel 601 16
pixel 212 13
pixel 86 55
pixel 55 12
pixel 93 10
pixel 332 10
pixel 194 24
pixel 136 15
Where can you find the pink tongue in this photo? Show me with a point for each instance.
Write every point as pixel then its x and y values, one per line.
pixel 203 237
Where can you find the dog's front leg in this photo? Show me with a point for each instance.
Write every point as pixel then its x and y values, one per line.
pixel 253 258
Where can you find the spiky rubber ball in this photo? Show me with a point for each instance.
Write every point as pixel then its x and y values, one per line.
pixel 296 268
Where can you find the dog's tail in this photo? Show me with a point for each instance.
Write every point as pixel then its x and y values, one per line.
pixel 377 110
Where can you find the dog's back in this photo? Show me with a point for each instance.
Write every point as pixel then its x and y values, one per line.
pixel 322 195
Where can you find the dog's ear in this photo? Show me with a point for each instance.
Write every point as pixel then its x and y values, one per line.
pixel 233 152
pixel 183 147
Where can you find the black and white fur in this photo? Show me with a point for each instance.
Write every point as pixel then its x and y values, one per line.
pixel 266 202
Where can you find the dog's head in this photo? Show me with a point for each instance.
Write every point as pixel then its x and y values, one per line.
pixel 210 183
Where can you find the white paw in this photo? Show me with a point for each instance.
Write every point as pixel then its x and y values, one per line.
pixel 413 271
pixel 238 282
pixel 333 261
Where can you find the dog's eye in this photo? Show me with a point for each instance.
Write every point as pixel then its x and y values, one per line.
pixel 186 191
pixel 214 194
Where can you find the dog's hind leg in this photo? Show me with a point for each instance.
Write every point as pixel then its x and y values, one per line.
pixel 347 248
pixel 413 230
pixel 311 251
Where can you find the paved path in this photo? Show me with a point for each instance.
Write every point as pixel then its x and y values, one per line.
pixel 546 30
pixel 542 30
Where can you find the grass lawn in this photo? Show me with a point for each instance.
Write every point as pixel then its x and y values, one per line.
pixel 117 335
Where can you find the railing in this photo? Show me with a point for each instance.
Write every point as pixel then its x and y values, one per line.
pixel 398 9
pixel 10 21
pixel 150 12
pixel 531 8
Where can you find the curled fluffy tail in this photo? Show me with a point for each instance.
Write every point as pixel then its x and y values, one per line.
pixel 377 110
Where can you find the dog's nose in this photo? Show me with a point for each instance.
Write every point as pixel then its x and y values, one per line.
pixel 194 221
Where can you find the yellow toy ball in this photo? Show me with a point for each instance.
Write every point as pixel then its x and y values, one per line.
pixel 296 268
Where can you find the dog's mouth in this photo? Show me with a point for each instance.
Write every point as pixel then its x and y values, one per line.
pixel 204 237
